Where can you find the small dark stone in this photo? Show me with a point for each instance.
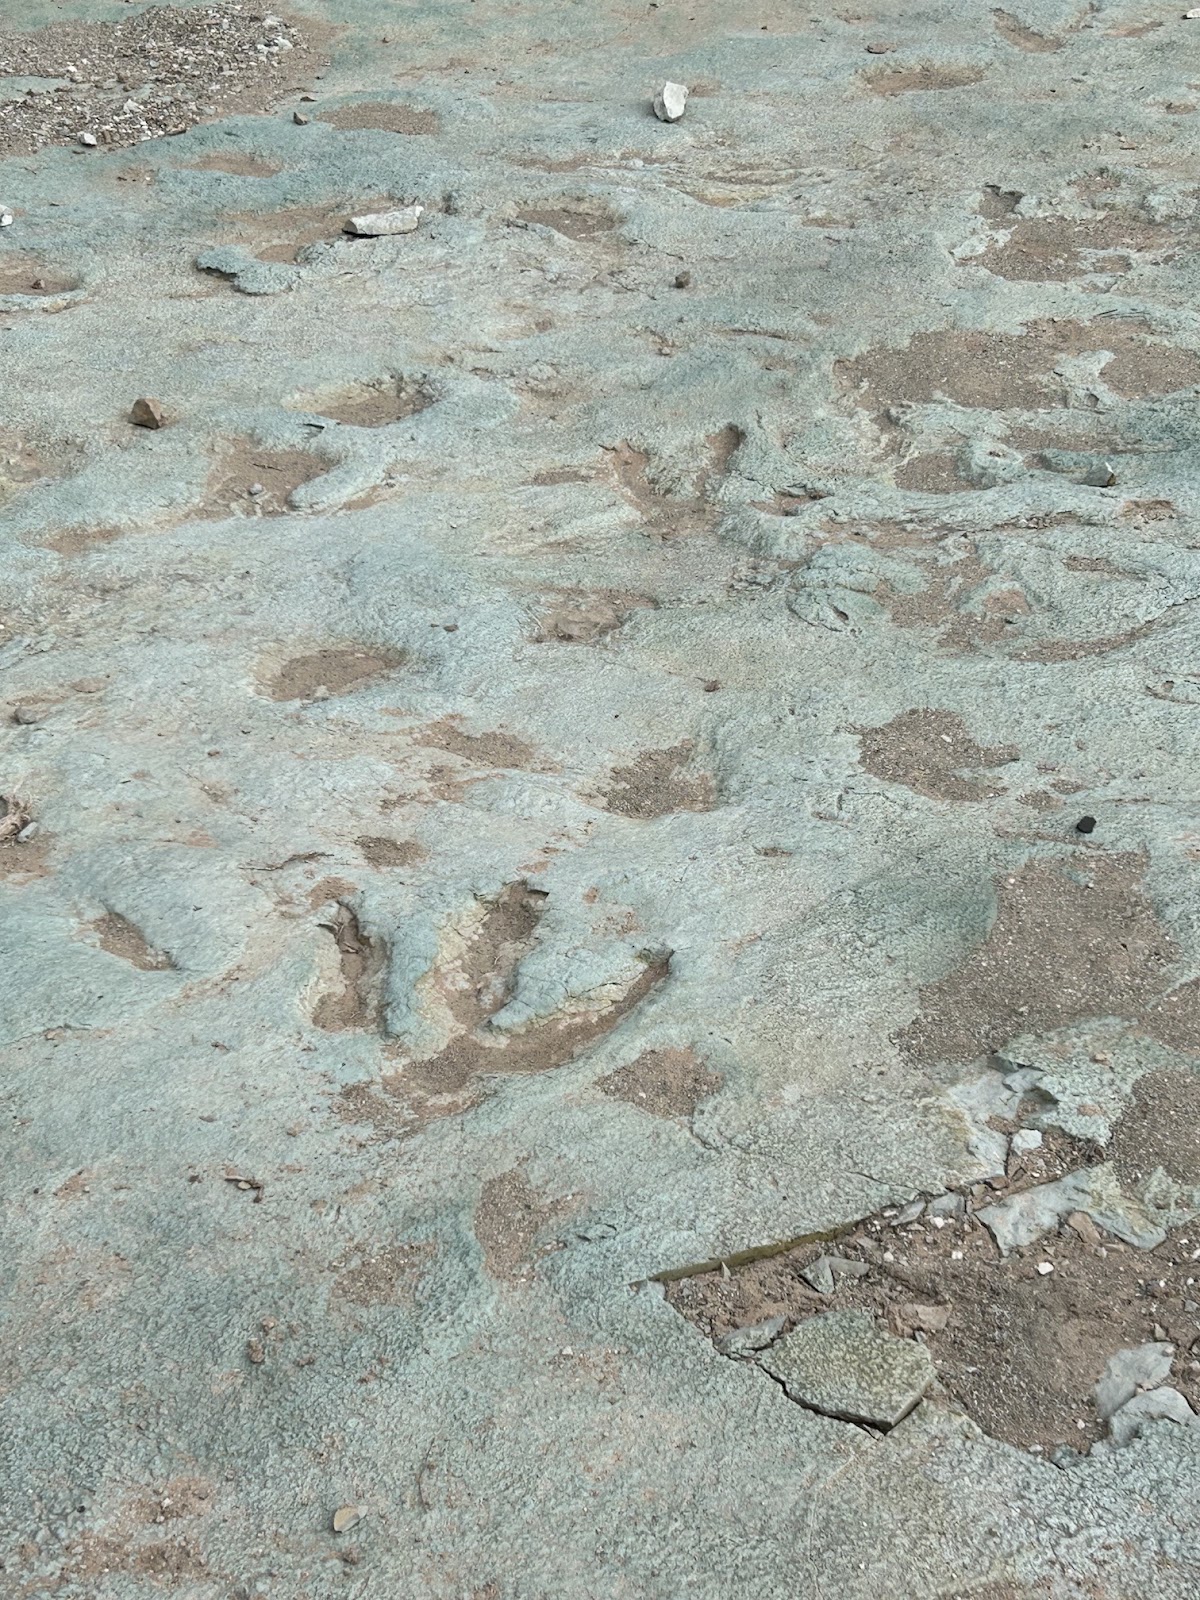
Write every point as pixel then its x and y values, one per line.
pixel 682 280
pixel 1086 825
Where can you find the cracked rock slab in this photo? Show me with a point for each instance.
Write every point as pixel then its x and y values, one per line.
pixel 1130 1371
pixel 1127 1424
pixel 843 1365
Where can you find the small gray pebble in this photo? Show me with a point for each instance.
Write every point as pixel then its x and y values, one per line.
pixel 28 832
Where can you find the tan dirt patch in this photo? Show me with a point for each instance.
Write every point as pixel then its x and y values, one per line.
pixel 492 749
pixel 657 783
pixel 1055 249
pixel 376 402
pixel 243 465
pixel 358 1004
pixel 927 751
pixel 934 473
pixel 25 274
pixel 120 937
pixel 382 116
pixel 382 1274
pixel 582 226
pixel 920 80
pixel 381 852
pixel 583 616
pixel 998 371
pixel 664 1083
pixel 238 163
pixel 510 1215
pixel 336 669
pixel 1017 33
pixel 1160 1128
pixel 1071 939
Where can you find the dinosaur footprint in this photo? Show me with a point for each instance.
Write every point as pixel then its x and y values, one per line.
pixel 473 982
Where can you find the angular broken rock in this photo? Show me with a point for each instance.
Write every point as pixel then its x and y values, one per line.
pixel 909 1318
pixel 842 1364
pixel 741 1341
pixel 1023 1218
pixel 1127 1423
pixel 671 102
pixel 347 1517
pixel 819 1275
pixel 382 224
pixel 148 414
pixel 1130 1371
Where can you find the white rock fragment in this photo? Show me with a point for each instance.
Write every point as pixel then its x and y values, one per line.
pixel 88 139
pixel 382 224
pixel 1026 1140
pixel 670 102
pixel 6 219
pixel 1045 1268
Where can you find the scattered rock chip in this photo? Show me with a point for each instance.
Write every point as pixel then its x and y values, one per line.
pixel 842 1364
pixel 383 224
pixel 847 1267
pixel 1130 1370
pixel 347 1517
pixel 1126 1424
pixel 756 1336
pixel 908 1213
pixel 670 102
pixel 299 119
pixel 148 414
pixel 6 219
pixel 1025 1141
pixel 819 1274
pixel 88 139
pixel 910 1318
pixel 255 1352
pixel 947 1205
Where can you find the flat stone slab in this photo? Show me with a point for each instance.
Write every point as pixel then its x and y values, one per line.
pixel 844 1365
pixel 1132 1370
pixel 1127 1423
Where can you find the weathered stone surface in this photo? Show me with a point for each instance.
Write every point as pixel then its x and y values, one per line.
pixel 1129 1422
pixel 833 484
pixel 1028 1215
pixel 843 1364
pixel 1143 1367
pixel 755 1336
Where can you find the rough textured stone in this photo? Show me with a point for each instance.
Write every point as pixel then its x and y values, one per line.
pixel 380 224
pixel 1143 1367
pixel 1028 1215
pixel 841 1363
pixel 1128 1423
pixel 838 478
